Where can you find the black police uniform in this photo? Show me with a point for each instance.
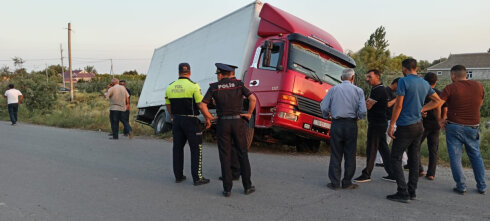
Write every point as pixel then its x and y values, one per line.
pixel 184 95
pixel 231 128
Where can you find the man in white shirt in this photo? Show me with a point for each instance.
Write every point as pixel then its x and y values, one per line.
pixel 13 102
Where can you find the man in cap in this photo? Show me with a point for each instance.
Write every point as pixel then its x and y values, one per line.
pixel 228 94
pixel 182 100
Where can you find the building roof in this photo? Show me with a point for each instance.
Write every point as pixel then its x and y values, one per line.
pixel 470 60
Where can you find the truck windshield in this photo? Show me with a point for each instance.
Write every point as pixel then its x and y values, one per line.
pixel 312 64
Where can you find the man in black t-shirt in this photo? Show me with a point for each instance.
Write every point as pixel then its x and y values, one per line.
pixel 377 124
pixel 431 130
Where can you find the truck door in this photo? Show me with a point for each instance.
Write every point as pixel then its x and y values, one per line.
pixel 265 74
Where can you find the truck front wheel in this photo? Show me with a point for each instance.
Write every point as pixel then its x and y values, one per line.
pixel 160 126
pixel 250 131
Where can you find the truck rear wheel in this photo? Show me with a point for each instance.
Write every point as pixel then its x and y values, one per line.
pixel 160 126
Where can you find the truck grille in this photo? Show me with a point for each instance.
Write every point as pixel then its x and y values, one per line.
pixel 309 106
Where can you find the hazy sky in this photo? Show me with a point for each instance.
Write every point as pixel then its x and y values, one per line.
pixel 129 31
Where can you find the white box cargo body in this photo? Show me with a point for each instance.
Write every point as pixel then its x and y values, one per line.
pixel 229 40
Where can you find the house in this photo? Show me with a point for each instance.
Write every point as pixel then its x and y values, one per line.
pixel 79 75
pixel 477 65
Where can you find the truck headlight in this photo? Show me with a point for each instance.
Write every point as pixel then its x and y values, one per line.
pixel 288 116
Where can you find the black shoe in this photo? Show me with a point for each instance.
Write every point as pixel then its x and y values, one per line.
pixel 398 198
pixel 113 138
pixel 249 190
pixel 482 192
pixel 333 187
pixel 461 192
pixel 226 193
pixel 350 187
pixel 179 180
pixel 125 135
pixel 201 181
pixel 362 179
pixel 405 167
pixel 234 178
pixel 389 178
pixel 412 196
pixel 109 135
pixel 379 165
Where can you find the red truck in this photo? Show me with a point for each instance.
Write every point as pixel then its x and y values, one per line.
pixel 287 63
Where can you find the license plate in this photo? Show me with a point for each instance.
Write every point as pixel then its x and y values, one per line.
pixel 321 124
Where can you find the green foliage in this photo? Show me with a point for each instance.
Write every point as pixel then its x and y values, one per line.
pixel 18 62
pixel 377 40
pixel 90 69
pixel 38 94
pixel 134 72
pixel 100 82
pixel 423 65
pixel 370 58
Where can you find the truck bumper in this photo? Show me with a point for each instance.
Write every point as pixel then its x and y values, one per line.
pixel 305 125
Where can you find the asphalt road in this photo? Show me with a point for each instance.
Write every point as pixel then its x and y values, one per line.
pixel 62 174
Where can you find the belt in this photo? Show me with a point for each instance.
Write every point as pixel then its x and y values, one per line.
pixel 345 118
pixel 232 117
pixel 472 126
pixel 185 115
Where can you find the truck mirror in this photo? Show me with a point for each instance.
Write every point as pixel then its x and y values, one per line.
pixel 266 62
pixel 279 68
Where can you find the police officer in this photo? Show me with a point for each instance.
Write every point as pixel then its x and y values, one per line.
pixel 228 94
pixel 182 99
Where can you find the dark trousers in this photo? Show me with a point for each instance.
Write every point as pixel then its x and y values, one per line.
pixel 125 121
pixel 343 142
pixel 187 129
pixel 115 117
pixel 376 140
pixel 13 109
pixel 432 136
pixel 235 163
pixel 407 138
pixel 231 135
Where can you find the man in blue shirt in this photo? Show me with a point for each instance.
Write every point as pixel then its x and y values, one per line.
pixel 411 93
pixel 345 104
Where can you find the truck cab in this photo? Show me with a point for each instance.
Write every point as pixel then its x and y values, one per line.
pixel 292 69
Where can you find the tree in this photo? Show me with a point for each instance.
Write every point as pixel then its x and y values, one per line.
pixel 423 65
pixel 370 58
pixel 18 62
pixel 90 69
pixel 377 40
pixel 134 72
pixel 5 70
pixel 395 66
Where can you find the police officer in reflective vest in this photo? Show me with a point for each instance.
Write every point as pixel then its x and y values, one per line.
pixel 182 99
pixel 228 94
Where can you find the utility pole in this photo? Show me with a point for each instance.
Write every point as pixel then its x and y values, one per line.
pixel 62 68
pixel 69 61
pixel 112 73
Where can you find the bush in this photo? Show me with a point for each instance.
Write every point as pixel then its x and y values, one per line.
pixel 38 94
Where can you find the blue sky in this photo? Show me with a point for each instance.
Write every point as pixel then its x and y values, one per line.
pixel 129 31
